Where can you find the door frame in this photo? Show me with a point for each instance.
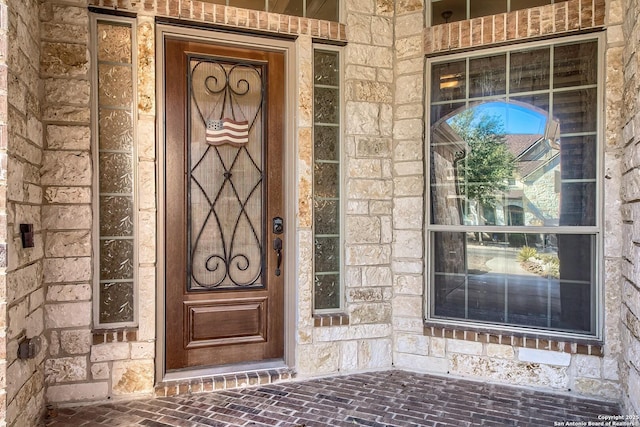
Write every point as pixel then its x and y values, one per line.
pixel 287 47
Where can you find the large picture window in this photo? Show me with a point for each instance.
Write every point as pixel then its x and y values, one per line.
pixel 513 154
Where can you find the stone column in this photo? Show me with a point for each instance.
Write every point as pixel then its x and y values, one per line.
pixel 4 72
pixel 67 212
pixel 22 137
pixel 411 349
pixel 304 163
pixel 628 108
pixel 368 131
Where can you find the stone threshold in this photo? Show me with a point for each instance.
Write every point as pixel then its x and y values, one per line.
pixel 223 382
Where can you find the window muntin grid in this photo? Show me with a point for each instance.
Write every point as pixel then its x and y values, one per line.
pixel 564 253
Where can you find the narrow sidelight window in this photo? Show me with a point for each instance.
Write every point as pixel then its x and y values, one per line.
pixel 114 169
pixel 327 206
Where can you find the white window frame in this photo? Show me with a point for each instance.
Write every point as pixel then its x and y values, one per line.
pixel 596 230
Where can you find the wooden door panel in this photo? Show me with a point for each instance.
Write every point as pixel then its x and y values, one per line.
pixel 244 320
pixel 224 300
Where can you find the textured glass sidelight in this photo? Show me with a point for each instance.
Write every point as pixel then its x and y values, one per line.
pixel 115 130
pixel 326 181
pixel 116 259
pixel 326 108
pixel 226 185
pixel 115 88
pixel 115 171
pixel 116 302
pixel 116 216
pixel 114 42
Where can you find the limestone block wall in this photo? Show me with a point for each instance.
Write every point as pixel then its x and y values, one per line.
pixel 630 190
pixel 359 339
pixel 22 140
pixel 66 213
pixel 85 363
pixel 410 345
pixel 4 43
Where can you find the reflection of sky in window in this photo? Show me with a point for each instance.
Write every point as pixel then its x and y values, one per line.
pixel 516 119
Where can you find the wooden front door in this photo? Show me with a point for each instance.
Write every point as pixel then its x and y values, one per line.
pixel 224 204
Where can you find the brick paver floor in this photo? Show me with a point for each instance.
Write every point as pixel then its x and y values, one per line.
pixel 391 398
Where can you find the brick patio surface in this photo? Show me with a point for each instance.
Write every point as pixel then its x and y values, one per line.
pixel 390 398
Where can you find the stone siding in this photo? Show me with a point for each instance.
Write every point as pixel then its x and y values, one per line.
pixel 408 181
pixel 67 178
pixel 46 178
pixel 629 289
pixel 23 139
pixel 360 339
pixel 4 75
pixel 84 363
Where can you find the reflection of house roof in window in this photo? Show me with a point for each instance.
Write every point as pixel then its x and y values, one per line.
pixel 522 144
pixel 518 144
pixel 526 167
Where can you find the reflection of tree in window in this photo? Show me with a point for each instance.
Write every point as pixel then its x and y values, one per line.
pixel 487 164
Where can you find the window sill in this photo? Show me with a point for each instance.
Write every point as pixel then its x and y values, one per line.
pixel 515 339
pixel 333 319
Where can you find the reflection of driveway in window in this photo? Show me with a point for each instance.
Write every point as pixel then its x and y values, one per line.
pixel 499 260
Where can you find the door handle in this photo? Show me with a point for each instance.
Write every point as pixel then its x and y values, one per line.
pixel 277 246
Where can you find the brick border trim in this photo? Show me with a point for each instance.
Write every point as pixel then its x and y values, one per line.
pixel 119 335
pixel 323 320
pixel 550 20
pixel 533 342
pixel 252 20
pixel 223 382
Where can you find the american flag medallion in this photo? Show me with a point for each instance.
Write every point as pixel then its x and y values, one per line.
pixel 227 131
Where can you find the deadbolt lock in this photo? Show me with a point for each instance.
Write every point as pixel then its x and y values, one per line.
pixel 278 225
